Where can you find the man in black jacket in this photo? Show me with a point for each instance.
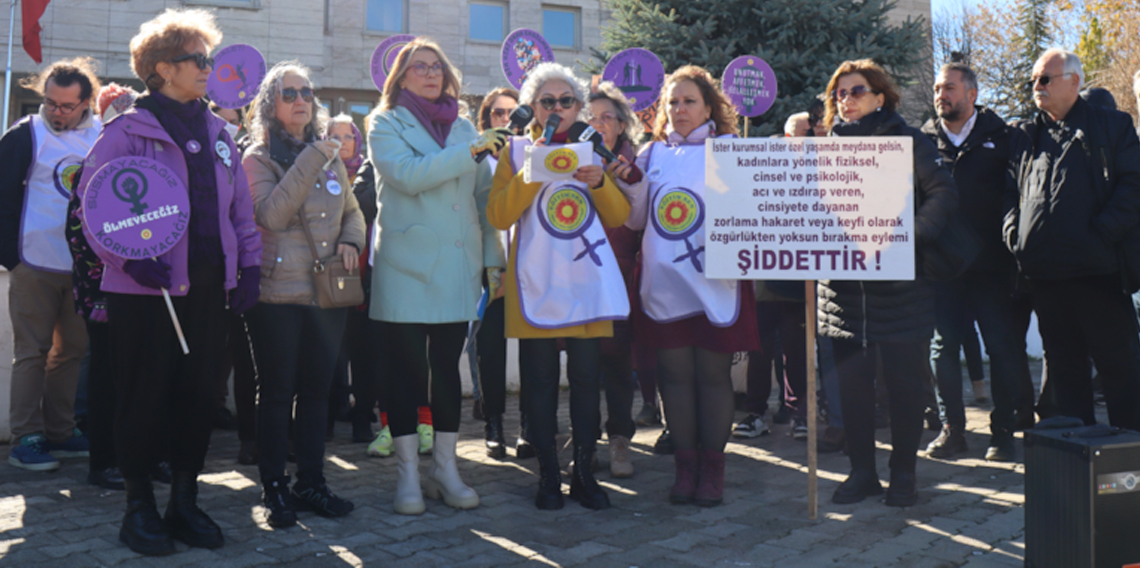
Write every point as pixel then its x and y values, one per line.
pixel 980 149
pixel 1079 183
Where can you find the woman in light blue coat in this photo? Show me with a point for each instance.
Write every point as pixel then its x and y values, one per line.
pixel 431 246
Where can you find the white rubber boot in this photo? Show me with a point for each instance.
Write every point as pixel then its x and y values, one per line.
pixel 442 480
pixel 409 499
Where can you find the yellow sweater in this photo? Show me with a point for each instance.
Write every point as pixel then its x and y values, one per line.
pixel 510 197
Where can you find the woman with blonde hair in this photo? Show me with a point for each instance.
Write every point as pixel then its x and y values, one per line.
pixel 304 207
pixel 165 398
pixel 563 281
pixel 695 323
pixel 432 245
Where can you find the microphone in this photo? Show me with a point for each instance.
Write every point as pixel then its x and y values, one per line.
pixel 551 125
pixel 520 117
pixel 589 134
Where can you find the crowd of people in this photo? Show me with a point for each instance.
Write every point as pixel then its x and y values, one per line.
pixel 432 212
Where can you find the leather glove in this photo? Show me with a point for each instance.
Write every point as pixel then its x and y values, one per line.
pixel 491 140
pixel 149 272
pixel 244 296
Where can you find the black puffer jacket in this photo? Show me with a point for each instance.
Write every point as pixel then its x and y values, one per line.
pixel 900 310
pixel 985 170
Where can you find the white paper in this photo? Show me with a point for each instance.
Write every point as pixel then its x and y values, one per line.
pixel 556 163
pixel 810 208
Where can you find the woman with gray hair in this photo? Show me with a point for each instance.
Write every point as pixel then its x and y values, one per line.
pixel 296 179
pixel 562 281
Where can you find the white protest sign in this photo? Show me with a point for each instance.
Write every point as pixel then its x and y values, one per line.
pixel 810 208
pixel 556 163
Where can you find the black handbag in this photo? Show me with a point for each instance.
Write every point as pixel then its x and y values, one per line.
pixel 955 249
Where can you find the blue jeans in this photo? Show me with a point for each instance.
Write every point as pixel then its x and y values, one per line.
pixel 989 297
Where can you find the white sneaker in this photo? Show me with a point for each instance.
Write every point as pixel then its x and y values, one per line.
pixel 751 427
pixel 799 429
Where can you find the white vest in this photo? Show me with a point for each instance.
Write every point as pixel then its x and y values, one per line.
pixel 673 282
pixel 566 271
pixel 51 179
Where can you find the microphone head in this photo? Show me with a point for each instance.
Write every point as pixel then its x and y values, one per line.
pixel 577 130
pixel 553 121
pixel 521 116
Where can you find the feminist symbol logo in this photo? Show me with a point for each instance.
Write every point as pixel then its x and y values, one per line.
pixel 234 73
pixel 678 215
pixel 131 190
pixel 567 215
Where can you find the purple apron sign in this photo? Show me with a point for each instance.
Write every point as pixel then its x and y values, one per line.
pixel 384 57
pixel 522 51
pixel 136 208
pixel 237 75
pixel 639 74
pixel 751 84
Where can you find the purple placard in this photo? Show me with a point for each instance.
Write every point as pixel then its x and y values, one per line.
pixel 639 74
pixel 522 51
pixel 237 75
pixel 384 57
pixel 136 207
pixel 751 84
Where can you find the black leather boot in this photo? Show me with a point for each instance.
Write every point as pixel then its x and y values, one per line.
pixel 549 495
pixel 523 448
pixel 493 435
pixel 143 530
pixel 583 488
pixel 185 520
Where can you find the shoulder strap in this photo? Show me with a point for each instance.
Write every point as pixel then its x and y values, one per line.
pixel 318 267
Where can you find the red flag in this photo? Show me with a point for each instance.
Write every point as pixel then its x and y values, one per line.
pixel 31 12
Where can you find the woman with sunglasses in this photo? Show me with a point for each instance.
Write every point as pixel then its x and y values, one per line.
pixel 491 342
pixel 431 247
pixel 695 323
pixel 298 180
pixel 165 398
pixel 883 322
pixel 563 282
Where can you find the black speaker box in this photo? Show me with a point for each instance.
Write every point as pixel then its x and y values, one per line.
pixel 1082 498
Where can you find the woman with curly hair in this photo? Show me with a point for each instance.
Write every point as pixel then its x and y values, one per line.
pixel 695 323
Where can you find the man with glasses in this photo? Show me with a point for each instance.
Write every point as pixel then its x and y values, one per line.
pixel 980 150
pixel 1079 183
pixel 42 155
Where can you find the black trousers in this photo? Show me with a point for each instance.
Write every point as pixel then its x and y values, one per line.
pixel 239 359
pixel 491 349
pixel 905 368
pixel 165 400
pixel 295 348
pixel 420 354
pixel 1090 317
pixel 540 372
pixel 100 398
pixel 361 346
pixel 782 337
pixel 617 377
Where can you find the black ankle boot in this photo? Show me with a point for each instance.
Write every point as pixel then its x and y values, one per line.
pixel 143 530
pixel 523 448
pixel 549 495
pixel 185 520
pixel 493 436
pixel 583 488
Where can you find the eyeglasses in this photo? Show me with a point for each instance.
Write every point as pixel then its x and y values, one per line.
pixel 200 60
pixel 61 109
pixel 289 94
pixel 423 69
pixel 1044 80
pixel 501 112
pixel 567 102
pixel 856 92
pixel 607 117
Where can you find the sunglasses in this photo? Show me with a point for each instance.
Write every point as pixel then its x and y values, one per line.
pixel 200 60
pixel 855 92
pixel 501 112
pixel 289 94
pixel 567 102
pixel 1043 80
pixel 423 69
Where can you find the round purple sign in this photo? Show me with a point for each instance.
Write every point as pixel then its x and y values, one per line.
pixel 136 207
pixel 639 74
pixel 384 57
pixel 522 51
pixel 237 75
pixel 751 84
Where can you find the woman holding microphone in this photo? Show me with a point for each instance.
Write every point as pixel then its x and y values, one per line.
pixel 562 281
pixel 301 191
pixel 165 399
pixel 432 245
pixel 694 322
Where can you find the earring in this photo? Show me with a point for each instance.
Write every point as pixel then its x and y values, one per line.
pixel 879 109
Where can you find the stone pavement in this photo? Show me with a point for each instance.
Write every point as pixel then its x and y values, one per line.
pixel 969 513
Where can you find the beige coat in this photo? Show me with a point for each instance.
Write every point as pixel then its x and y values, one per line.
pixel 279 190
